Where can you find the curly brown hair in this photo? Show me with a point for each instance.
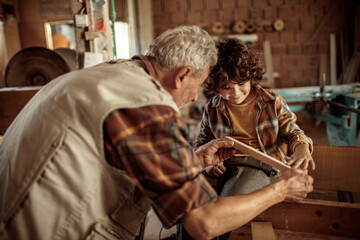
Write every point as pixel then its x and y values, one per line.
pixel 236 64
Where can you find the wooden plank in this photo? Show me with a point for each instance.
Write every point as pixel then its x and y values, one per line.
pixel 321 194
pixel 342 55
pixel 333 76
pixel 11 103
pixel 269 69
pixel 146 26
pixel 352 68
pixel 323 69
pixel 323 21
pixel 241 233
pixel 262 231
pixel 293 235
pixel 337 168
pixel 244 233
pixel 259 155
pixel 315 216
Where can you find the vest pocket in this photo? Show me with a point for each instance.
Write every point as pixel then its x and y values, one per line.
pixel 106 231
pixel 132 212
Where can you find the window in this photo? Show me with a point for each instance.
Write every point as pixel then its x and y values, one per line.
pixel 122 40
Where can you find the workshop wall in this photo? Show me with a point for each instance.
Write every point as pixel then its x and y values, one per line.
pixel 32 14
pixel 298 51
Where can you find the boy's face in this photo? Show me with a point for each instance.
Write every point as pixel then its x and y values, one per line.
pixel 236 93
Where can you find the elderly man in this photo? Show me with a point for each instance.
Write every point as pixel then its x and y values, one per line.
pixel 96 148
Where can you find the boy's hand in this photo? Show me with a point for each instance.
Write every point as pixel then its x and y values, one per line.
pixel 301 158
pixel 216 170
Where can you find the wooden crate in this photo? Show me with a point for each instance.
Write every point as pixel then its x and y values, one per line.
pixel 12 100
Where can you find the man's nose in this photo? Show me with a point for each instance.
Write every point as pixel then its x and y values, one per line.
pixel 195 97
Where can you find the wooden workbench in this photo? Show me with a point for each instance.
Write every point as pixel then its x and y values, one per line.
pixel 337 171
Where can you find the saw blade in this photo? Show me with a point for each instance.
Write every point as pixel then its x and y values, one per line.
pixel 34 66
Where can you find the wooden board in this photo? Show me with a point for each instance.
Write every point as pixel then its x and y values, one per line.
pixel 244 233
pixel 259 155
pixel 333 78
pixel 262 231
pixel 315 216
pixel 337 168
pixel 12 100
pixel 268 64
pixel 323 69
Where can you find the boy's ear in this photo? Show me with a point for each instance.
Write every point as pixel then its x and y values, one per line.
pixel 182 74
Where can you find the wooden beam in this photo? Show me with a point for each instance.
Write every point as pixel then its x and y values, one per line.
pixel 259 155
pixel 315 216
pixel 262 231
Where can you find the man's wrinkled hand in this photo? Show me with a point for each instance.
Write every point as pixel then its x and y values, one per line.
pixel 215 151
pixel 216 170
pixel 294 184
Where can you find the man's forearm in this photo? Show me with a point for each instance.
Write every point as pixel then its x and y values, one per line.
pixel 228 213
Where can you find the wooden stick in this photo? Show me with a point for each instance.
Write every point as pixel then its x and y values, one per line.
pixel 259 155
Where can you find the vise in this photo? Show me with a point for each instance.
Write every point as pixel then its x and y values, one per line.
pixel 342 115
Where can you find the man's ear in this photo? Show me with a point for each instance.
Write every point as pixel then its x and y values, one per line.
pixel 182 74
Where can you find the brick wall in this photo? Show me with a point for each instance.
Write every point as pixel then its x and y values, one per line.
pixel 296 50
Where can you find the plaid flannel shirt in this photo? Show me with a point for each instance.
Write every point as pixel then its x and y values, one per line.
pixel 275 124
pixel 150 143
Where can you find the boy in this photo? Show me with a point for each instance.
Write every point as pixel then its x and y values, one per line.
pixel 241 108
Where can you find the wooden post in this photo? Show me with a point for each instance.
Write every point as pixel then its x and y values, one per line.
pixel 269 69
pixel 333 77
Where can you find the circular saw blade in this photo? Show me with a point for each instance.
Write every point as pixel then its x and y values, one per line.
pixel 69 55
pixel 34 66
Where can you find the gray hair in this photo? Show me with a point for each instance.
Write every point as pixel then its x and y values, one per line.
pixel 184 46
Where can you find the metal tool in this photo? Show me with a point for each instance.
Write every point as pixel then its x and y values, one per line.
pixel 342 103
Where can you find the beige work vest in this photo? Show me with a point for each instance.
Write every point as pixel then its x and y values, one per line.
pixel 55 180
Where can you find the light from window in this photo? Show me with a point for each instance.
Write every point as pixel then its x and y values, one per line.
pixel 122 40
